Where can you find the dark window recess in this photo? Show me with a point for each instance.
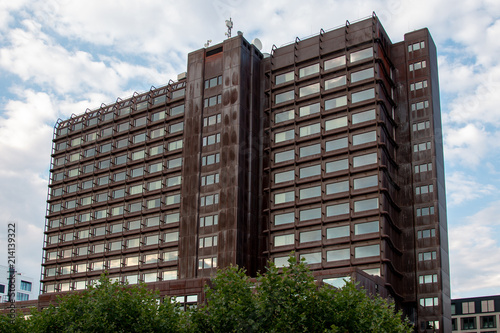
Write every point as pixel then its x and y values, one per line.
pixel 214 51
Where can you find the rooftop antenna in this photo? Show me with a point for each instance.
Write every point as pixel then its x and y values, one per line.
pixel 208 42
pixel 229 25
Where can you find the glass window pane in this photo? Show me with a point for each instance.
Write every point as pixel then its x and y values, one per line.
pixel 334 63
pixel 309 90
pixel 362 54
pixel 310 236
pixel 284 218
pixel 309 70
pixel 335 123
pixel 311 192
pixel 338 209
pixel 284 116
pixel 282 240
pixel 309 150
pixel 363 160
pixel 337 232
pixel 337 187
pixel 366 228
pixel 282 78
pixel 310 171
pixel 309 130
pixel 284 97
pixel 309 109
pixel 335 82
pixel 362 138
pixel 363 116
pixel 310 214
pixel 336 255
pixel 364 205
pixel 362 75
pixel 284 176
pixel 367 251
pixel 363 95
pixel 284 156
pixel 311 258
pixel 284 136
pixel 337 165
pixel 335 102
pixel 336 144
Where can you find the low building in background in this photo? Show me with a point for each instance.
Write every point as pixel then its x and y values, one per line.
pixel 476 314
pixel 23 286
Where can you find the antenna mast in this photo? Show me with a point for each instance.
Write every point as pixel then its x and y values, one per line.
pixel 229 25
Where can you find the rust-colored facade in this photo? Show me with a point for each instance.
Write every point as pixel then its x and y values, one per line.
pixel 330 147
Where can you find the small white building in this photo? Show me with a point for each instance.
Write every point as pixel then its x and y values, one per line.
pixel 24 286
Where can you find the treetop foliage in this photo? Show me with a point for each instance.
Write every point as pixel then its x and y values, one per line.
pixel 280 300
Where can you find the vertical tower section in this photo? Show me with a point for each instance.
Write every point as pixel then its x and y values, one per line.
pixel 422 180
pixel 221 160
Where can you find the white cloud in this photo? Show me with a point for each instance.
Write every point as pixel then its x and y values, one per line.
pixel 475 253
pixel 461 187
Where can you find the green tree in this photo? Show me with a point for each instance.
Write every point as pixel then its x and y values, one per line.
pixel 108 307
pixel 290 301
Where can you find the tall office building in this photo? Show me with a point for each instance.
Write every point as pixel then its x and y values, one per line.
pixel 330 147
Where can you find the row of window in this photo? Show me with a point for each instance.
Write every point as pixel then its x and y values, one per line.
pixel 328 64
pixel 360 252
pixel 328 233
pixel 329 104
pixel 133 241
pixel 310 109
pixel 418 85
pixel 338 186
pixel 417 65
pixel 469 307
pixel 416 46
pixel 164 275
pixel 139 154
pixel 469 323
pixel 108 131
pixel 122 209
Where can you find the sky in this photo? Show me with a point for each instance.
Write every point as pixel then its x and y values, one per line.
pixel 60 57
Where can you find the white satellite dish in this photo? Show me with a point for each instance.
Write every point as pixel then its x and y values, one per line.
pixel 257 43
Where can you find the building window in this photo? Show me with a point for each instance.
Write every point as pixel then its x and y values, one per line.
pixel 284 218
pixel 25 285
pixel 310 236
pixel 363 138
pixel 362 160
pixel 205 180
pixel 204 263
pixel 425 211
pixel 208 241
pixel 416 46
pixel 365 182
pixel 309 130
pixel 363 95
pixel 310 171
pixel 210 159
pixel 335 102
pixel 334 63
pixel 284 197
pixel 364 205
pixel 175 181
pixel 427 233
pixel 337 255
pixel 421 146
pixel 213 82
pixel 363 116
pixel 284 97
pixel 338 165
pixel 171 237
pixel 282 240
pixel 335 123
pixel 172 218
pixel 306 215
pixel 488 306
pixel 338 209
pixel 418 85
pixel 488 322
pixel 469 323
pixel 309 109
pixel 283 78
pixel 338 187
pixel 284 136
pixel 173 199
pixel 211 139
pixel 454 325
pixel 362 75
pixel 285 176
pixel 335 82
pixel 174 163
pixel 309 150
pixel 309 70
pixel 22 297
pixel 208 200
pixel 170 255
pixel 311 258
pixel 423 167
pixel 174 145
pixel 431 255
pixel 337 282
pixel 361 55
pixel 467 307
pixel 336 144
pixel 417 65
pixel 426 279
pixel 287 155
pixel 367 251
pixel 420 105
pixel 177 110
pixel 421 126
pixel 309 90
pixel 337 232
pixel 208 221
pixel 284 116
